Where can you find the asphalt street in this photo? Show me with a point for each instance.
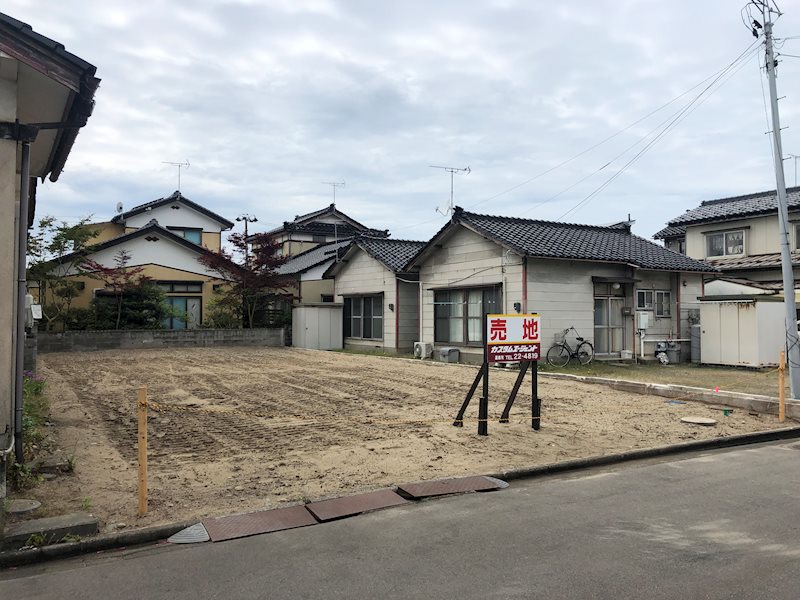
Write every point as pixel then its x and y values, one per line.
pixel 721 524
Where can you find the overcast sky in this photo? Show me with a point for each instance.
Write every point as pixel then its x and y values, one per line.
pixel 269 99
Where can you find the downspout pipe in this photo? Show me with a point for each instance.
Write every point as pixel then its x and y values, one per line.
pixel 22 251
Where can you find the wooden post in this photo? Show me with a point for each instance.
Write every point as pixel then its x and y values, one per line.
pixel 141 406
pixel 782 387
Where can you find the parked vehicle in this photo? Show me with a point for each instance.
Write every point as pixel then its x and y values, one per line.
pixel 561 352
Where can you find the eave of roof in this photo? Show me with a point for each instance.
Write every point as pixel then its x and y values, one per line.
pixel 308 259
pixel 18 40
pixel 377 248
pixel 176 196
pixel 514 233
pixel 328 210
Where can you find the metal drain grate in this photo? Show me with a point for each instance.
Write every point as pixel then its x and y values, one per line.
pixel 238 526
pixel 326 510
pixel 459 485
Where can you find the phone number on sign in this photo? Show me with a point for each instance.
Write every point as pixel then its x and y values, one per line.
pixel 513 353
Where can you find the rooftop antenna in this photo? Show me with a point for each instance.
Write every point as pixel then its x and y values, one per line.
pixel 334 185
pixel 452 170
pixel 179 165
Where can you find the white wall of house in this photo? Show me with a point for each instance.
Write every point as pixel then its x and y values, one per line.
pixel 170 217
pixel 467 259
pixel 760 236
pixel 363 275
pixel 164 252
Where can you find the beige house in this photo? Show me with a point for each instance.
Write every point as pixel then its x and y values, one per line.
pixel 46 96
pixel 739 237
pixel 165 237
pixel 620 291
pixel 380 298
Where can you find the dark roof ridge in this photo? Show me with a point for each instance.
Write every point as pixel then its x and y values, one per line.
pixel 745 196
pixel 175 196
pixel 380 238
pixel 614 227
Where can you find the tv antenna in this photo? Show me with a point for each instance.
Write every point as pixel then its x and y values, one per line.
pixel 334 185
pixel 179 165
pixel 452 170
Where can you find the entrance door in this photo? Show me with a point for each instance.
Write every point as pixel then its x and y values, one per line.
pixel 609 327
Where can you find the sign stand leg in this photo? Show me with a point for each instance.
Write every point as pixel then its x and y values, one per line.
pixel 523 368
pixel 536 402
pixel 459 422
pixel 483 405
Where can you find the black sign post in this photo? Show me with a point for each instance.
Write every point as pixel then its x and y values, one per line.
pixel 524 350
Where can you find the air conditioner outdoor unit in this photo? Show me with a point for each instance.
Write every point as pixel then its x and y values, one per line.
pixel 423 350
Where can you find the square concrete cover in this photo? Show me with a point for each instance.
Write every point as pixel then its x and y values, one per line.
pixel 458 485
pixel 326 510
pixel 265 521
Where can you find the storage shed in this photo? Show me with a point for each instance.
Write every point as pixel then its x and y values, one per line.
pixel 317 326
pixel 741 331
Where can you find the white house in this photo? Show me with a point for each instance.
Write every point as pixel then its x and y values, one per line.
pixel 381 299
pixel 599 279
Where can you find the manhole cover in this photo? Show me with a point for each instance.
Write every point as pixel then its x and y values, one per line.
pixel 699 421
pixel 191 535
pixel 21 506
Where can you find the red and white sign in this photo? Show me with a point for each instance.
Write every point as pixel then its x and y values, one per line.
pixel 513 338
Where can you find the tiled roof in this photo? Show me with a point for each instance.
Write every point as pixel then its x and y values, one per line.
pixel 308 218
pixel 549 239
pixel 311 258
pixel 670 231
pixel 395 254
pixel 174 197
pixel 725 209
pixel 340 229
pixel 760 285
pixel 756 261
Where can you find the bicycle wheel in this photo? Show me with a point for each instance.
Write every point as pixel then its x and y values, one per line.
pixel 558 355
pixel 585 353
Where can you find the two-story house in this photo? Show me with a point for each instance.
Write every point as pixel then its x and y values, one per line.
pixel 165 237
pixel 739 237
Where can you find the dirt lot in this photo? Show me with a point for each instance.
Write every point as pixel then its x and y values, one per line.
pixel 255 428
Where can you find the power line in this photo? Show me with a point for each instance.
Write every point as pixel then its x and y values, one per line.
pixel 739 61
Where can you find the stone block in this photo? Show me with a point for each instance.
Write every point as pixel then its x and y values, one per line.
pixel 51 529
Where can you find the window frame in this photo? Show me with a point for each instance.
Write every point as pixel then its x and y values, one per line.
pixel 654 303
pixel 351 319
pixel 181 232
pixel 725 245
pixel 444 319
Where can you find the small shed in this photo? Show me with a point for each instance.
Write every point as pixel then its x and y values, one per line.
pixel 744 331
pixel 317 326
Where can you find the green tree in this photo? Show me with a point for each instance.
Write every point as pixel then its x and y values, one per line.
pixel 56 253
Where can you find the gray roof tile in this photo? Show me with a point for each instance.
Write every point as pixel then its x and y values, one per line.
pixel 311 258
pixel 395 254
pixel 725 209
pixel 581 242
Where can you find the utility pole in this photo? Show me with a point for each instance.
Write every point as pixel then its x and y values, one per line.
pixel 452 170
pixel 792 342
pixel 247 219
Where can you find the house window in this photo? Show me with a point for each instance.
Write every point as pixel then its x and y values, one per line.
pixel 186 311
pixel 319 239
pixel 659 301
pixel 458 314
pixel 171 287
pixel 191 234
pixel 363 317
pixel 725 243
pixel 797 236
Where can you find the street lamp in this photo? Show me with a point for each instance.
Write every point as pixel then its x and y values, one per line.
pixel 247 219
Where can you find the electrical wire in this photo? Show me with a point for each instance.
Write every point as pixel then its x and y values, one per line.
pixel 728 71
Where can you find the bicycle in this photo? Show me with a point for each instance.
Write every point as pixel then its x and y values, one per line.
pixel 561 352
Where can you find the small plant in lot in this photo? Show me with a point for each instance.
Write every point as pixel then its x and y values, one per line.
pixel 22 477
pixel 71 537
pixel 36 540
pixel 86 504
pixel 36 409
pixel 71 463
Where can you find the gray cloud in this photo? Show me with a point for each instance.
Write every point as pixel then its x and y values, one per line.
pixel 269 99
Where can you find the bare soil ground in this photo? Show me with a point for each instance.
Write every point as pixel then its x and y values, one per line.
pixel 258 428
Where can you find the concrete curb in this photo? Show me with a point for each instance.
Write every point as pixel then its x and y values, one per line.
pixel 786 433
pixel 104 541
pixel 751 402
pixel 159 532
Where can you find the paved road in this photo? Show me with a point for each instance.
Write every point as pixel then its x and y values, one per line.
pixel 723 524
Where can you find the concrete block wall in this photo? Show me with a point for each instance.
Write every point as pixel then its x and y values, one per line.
pixel 88 341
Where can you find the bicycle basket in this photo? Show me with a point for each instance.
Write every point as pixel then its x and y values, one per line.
pixel 560 337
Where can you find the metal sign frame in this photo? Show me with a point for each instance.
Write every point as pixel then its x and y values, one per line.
pixel 523 346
